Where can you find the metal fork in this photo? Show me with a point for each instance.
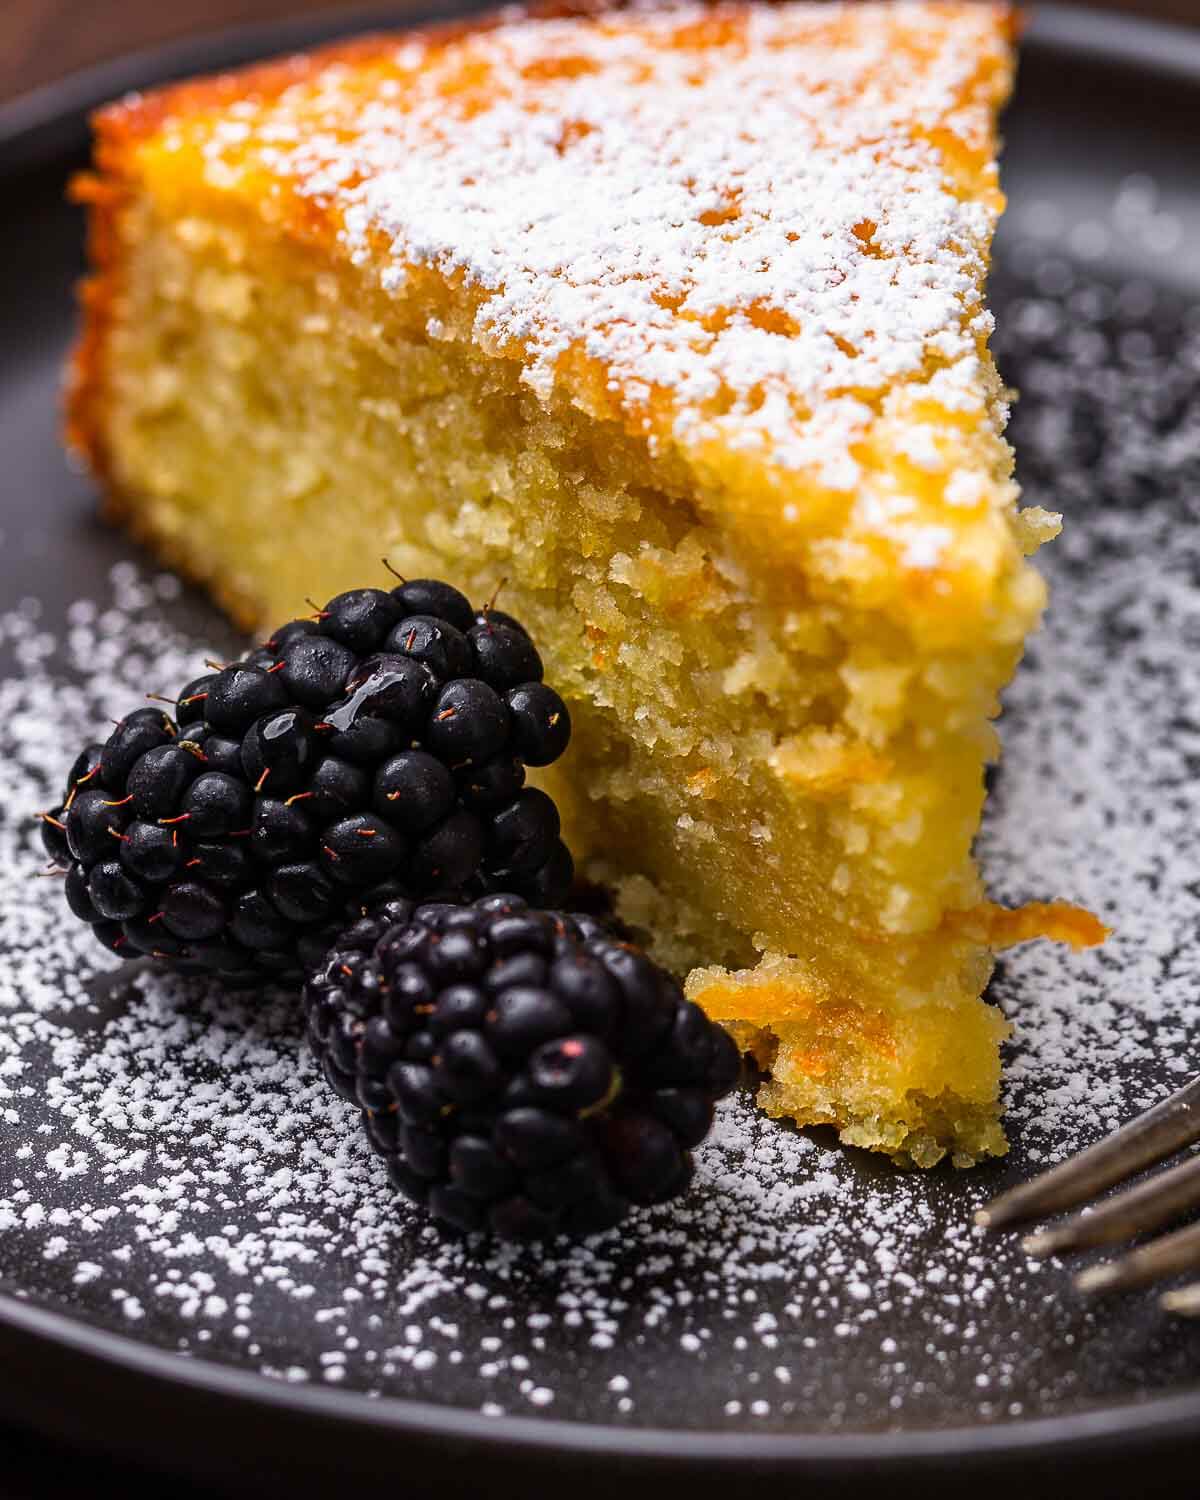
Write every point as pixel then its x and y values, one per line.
pixel 1167 1128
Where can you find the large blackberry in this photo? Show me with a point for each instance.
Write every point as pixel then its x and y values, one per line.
pixel 520 1071
pixel 377 749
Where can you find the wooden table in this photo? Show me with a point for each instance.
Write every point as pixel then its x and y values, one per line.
pixel 43 39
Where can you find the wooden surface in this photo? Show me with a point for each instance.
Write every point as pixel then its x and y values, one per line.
pixel 43 39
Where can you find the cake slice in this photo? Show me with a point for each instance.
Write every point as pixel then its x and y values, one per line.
pixel 667 321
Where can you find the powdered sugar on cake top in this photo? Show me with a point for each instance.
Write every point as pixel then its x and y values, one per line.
pixel 743 215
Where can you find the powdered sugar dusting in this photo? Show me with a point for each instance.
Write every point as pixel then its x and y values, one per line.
pixel 744 215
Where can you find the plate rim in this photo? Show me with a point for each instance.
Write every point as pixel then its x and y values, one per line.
pixel 1091 1433
pixel 49 124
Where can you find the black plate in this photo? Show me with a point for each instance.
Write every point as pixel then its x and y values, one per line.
pixel 986 1372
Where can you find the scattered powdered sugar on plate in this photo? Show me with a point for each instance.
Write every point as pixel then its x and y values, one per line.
pixel 1103 728
pixel 172 1166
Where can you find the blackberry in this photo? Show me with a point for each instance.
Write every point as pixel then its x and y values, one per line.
pixel 370 753
pixel 191 909
pixel 111 935
pixel 215 752
pixel 262 657
pixel 362 849
pixel 239 695
pixel 76 891
pixel 336 788
pixel 523 835
pixel 469 723
pixel 520 1071
pixel 159 779
pixel 256 923
pixel 289 632
pixel 315 669
pixel 493 785
pixel 146 936
pixel 189 706
pixel 280 748
pixel 138 732
pixel 360 619
pixel 94 819
pixel 86 768
pixel 280 831
pixel 54 836
pixel 413 791
pixel 504 656
pixel 544 885
pixel 490 615
pixel 115 894
pixel 301 892
pixel 215 804
pixel 221 863
pixel 540 721
pixel 446 858
pixel 442 648
pixel 429 596
pixel 151 852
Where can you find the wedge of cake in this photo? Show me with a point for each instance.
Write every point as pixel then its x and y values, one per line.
pixel 669 321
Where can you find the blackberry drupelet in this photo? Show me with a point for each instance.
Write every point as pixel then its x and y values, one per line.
pixel 520 1071
pixel 379 742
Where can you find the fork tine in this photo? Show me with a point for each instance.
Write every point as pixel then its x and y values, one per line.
pixel 1186 1301
pixel 1165 1128
pixel 1164 1257
pixel 1137 1210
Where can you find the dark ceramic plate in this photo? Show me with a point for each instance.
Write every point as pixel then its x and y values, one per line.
pixel 956 1363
